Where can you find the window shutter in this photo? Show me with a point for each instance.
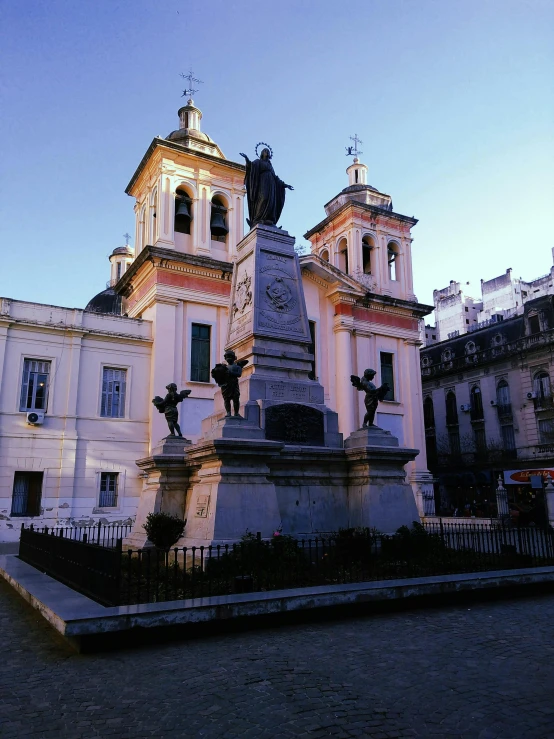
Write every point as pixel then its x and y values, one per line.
pixel 122 392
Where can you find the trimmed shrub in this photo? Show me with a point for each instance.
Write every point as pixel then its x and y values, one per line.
pixel 163 529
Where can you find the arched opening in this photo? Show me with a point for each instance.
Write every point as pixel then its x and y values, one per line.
pixel 183 211
pixel 428 413
pixel 367 246
pixel 476 401
pixel 324 254
pixel 218 220
pixel 451 409
pixel 343 255
pixel 392 259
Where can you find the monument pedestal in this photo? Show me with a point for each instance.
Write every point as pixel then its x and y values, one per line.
pixel 164 487
pixel 231 490
pixel 378 495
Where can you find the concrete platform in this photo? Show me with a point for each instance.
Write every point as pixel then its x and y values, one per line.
pixel 83 621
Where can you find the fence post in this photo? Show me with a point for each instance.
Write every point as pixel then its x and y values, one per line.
pixel 119 550
pixel 85 538
pixel 99 526
pixel 502 500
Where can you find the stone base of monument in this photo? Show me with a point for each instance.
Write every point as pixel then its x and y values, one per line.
pixel 306 491
pixel 230 490
pixel 166 479
pixel 378 494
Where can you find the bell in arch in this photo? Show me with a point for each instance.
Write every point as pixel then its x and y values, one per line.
pixel 217 221
pixel 182 214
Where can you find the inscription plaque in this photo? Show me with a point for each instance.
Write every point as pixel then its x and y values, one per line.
pixel 294 423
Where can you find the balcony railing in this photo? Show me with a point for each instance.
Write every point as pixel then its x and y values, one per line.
pixel 458 364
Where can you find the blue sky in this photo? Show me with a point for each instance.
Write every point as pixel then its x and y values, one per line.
pixel 453 100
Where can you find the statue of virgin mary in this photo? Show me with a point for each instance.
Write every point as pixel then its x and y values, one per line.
pixel 265 192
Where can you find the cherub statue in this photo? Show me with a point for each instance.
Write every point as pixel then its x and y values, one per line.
pixel 227 377
pixel 373 394
pixel 168 405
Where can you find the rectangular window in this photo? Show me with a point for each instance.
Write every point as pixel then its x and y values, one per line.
pixel 312 349
pixel 454 439
pixel 534 325
pixel 34 387
pixel 387 373
pixel 480 441
pixel 508 438
pixel 200 353
pixel 108 489
pixel 546 431
pixel 27 493
pixel 114 383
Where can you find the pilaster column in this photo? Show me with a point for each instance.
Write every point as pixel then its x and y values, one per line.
pixel 343 370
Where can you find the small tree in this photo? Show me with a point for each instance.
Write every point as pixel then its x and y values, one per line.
pixel 163 529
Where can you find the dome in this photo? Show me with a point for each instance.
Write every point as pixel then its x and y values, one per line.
pixel 184 133
pixel 126 250
pixel 108 301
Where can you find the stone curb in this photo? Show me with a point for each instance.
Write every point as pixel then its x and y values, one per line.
pixel 74 615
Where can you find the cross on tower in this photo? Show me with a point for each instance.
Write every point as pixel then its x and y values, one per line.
pixel 190 90
pixel 126 237
pixel 353 151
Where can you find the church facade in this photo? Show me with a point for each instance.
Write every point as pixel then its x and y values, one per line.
pixel 76 385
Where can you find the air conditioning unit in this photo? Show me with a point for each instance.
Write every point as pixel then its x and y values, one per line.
pixel 35 418
pixel 531 396
pixel 494 403
pixel 466 407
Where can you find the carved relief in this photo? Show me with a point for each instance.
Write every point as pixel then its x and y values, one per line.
pixel 243 295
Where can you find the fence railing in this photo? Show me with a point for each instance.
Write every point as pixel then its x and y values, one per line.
pixel 103 534
pixel 252 565
pixel 91 569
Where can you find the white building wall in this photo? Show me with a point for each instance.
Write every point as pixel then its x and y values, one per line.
pixel 74 445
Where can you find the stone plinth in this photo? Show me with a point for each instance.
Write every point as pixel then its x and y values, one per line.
pixel 378 494
pixel 230 491
pixel 164 487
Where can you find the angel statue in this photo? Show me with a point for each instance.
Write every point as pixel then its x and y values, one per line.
pixel 372 394
pixel 227 377
pixel 168 405
pixel 265 192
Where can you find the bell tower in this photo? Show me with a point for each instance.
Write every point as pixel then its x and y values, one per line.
pixel 361 252
pixel 189 219
pixel 188 196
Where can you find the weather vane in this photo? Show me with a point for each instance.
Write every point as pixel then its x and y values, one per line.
pixel 190 90
pixel 353 151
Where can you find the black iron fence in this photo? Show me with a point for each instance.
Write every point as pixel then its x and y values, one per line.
pixel 91 569
pixel 103 534
pixel 253 565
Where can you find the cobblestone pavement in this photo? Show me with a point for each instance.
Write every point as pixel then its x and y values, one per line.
pixel 479 671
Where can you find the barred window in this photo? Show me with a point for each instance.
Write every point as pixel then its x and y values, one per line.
pixel 113 392
pixel 200 353
pixel 34 387
pixel 108 489
pixel 27 493
pixel 508 438
pixel 546 431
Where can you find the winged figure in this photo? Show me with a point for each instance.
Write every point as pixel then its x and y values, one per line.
pixel 168 405
pixel 373 394
pixel 227 377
